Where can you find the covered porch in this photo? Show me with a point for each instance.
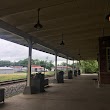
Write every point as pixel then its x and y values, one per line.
pixel 80 93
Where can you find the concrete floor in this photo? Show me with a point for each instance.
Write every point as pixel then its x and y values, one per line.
pixel 80 93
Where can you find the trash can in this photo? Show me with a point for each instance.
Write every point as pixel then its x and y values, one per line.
pixel 46 82
pixel 2 94
pixel 75 72
pixel 60 78
pixel 37 83
pixel 79 72
pixel 70 75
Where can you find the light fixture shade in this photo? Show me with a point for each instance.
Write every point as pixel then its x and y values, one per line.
pixel 79 54
pixel 62 43
pixel 38 26
pixel 108 17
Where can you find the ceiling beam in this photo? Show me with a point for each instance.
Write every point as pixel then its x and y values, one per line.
pixel 18 32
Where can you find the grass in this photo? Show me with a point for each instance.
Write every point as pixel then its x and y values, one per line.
pixel 8 77
pixel 14 76
pixel 49 73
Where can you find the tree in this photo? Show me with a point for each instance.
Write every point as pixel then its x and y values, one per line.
pixel 24 62
pixel 42 63
pixel 45 64
pixel 37 62
pixel 49 65
pixel 5 63
pixel 63 64
pixel 89 66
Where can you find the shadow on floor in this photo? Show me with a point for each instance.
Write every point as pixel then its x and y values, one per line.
pixel 2 105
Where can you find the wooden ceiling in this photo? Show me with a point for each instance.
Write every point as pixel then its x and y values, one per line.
pixel 81 22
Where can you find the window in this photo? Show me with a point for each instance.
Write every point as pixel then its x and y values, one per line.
pixel 108 58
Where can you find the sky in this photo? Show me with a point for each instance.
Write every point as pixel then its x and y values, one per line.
pixel 15 52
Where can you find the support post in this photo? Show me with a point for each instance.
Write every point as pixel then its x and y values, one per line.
pixel 27 89
pixel 73 66
pixel 55 65
pixel 99 81
pixel 79 68
pixel 77 65
pixel 67 65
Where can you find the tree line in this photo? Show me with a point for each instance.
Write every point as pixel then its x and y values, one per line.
pixel 24 63
pixel 87 66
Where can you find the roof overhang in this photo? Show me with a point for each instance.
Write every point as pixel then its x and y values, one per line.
pixel 81 21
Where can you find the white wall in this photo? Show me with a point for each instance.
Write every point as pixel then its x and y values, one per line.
pixel 6 71
pixel 38 69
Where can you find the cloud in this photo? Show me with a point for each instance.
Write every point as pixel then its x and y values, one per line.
pixel 11 51
pixel 14 52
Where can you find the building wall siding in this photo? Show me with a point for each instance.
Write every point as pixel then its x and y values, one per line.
pixel 6 71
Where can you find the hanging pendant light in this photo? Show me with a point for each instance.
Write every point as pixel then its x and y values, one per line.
pixel 38 26
pixel 108 17
pixel 79 54
pixel 62 42
pixel 107 10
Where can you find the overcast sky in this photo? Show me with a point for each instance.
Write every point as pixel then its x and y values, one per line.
pixel 14 52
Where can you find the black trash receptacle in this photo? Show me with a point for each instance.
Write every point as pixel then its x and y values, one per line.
pixel 75 72
pixel 60 78
pixel 46 82
pixel 37 83
pixel 2 94
pixel 70 74
pixel 79 72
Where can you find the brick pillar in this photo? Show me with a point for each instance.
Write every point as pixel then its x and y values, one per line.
pixel 104 42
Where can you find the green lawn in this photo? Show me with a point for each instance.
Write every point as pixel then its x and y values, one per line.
pixel 14 76
pixel 7 77
pixel 49 73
